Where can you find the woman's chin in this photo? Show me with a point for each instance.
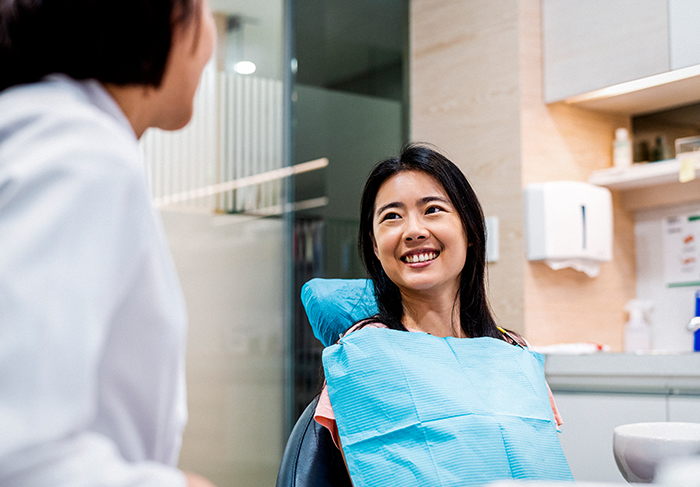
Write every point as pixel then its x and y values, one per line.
pixel 421 286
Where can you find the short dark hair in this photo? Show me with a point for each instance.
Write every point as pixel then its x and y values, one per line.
pixel 476 319
pixel 114 41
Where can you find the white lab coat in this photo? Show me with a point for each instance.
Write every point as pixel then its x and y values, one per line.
pixel 92 318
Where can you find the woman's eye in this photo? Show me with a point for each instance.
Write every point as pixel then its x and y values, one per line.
pixel 433 209
pixel 390 216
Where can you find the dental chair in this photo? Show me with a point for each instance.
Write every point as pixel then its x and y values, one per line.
pixel 310 458
pixel 481 408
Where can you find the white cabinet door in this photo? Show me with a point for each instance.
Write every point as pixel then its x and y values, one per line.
pixel 684 32
pixel 593 44
pixel 684 408
pixel 589 420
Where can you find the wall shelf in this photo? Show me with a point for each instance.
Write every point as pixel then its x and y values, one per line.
pixel 650 185
pixel 639 175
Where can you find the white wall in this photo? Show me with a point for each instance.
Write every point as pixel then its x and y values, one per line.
pixel 673 307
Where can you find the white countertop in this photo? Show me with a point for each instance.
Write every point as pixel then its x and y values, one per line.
pixel 651 373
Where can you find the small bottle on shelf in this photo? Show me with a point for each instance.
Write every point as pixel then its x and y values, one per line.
pixel 622 148
pixel 658 152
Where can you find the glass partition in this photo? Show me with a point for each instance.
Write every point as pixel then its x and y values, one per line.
pixel 222 186
pixel 351 108
pixel 251 214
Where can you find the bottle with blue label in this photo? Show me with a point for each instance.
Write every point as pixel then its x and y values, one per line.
pixel 694 324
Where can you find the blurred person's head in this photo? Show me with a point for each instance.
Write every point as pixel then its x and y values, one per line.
pixel 161 45
pixel 121 42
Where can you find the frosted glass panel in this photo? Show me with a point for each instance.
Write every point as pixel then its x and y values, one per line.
pixel 220 186
pixel 233 279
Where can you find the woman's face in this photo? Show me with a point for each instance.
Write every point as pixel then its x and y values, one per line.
pixel 418 235
pixel 192 46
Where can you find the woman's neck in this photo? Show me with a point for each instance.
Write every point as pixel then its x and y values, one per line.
pixel 434 314
pixel 136 103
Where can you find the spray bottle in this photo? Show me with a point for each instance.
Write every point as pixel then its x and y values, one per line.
pixel 637 331
pixel 694 325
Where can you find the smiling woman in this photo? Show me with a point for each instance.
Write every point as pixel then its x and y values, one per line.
pixel 420 241
pixel 460 400
pixel 434 196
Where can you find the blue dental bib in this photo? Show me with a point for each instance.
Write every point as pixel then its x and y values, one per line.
pixel 417 410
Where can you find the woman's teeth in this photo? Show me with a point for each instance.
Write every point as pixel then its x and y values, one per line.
pixel 412 259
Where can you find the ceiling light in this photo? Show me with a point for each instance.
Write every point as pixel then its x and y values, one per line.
pixel 244 67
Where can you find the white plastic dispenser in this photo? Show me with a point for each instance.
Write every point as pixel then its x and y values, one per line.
pixel 569 224
pixel 637 330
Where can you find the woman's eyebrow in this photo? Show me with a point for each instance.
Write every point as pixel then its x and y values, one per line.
pixel 422 201
pixel 395 204
pixel 428 199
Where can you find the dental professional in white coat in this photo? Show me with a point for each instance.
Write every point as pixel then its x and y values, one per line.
pixel 92 318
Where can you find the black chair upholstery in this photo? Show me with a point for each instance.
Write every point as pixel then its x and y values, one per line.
pixel 310 458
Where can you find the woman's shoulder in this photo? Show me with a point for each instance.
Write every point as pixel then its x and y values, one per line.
pixel 514 338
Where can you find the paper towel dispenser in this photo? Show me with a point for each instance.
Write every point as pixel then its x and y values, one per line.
pixel 568 224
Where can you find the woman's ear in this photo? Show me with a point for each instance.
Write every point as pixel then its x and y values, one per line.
pixel 374 245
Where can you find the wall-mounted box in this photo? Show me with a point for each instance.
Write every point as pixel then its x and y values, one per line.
pixel 568 220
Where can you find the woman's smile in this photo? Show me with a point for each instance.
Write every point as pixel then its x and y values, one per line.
pixel 420 257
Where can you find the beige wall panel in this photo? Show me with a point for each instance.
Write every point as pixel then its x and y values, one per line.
pixel 465 99
pixel 565 142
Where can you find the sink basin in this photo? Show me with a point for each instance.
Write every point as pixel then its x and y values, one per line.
pixel 640 447
pixel 679 473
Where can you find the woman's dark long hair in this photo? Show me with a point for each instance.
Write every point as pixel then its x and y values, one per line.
pixel 475 315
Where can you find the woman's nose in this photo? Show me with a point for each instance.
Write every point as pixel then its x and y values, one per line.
pixel 415 230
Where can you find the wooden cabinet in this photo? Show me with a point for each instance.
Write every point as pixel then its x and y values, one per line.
pixel 599 43
pixel 621 56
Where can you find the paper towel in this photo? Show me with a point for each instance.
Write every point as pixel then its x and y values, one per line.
pixel 590 267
